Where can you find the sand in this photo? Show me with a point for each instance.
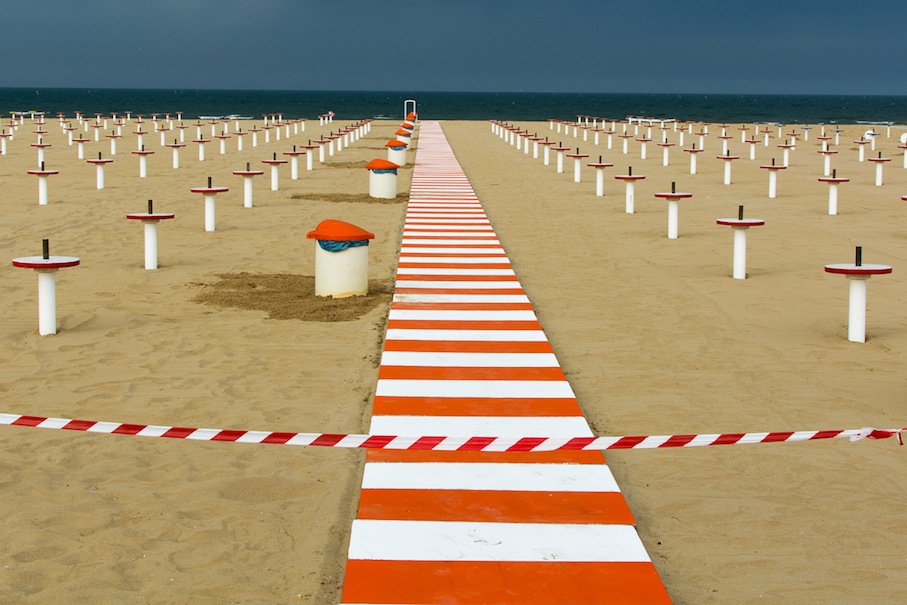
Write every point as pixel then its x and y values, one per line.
pixel 95 519
pixel 654 335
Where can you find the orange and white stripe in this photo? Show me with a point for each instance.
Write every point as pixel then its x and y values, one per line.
pixel 465 355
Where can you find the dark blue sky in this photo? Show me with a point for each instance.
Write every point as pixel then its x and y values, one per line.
pixel 706 46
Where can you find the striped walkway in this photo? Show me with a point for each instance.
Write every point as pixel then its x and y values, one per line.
pixel 465 355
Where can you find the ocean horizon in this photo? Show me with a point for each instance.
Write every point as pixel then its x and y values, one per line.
pixel 522 106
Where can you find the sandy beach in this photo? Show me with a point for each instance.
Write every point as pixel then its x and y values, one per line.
pixel 654 335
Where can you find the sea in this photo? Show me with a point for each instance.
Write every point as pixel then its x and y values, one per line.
pixel 507 106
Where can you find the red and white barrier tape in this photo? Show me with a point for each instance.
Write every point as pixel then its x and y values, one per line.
pixel 444 443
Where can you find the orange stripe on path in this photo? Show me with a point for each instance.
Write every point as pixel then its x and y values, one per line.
pixel 464 352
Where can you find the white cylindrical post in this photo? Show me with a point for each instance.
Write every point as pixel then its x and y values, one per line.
pixel 692 163
pixel 143 166
pixel 630 196
pixel 673 219
pixel 878 173
pixel 42 190
pixel 176 158
pixel 740 252
pixel 727 172
pixel 150 244
pixel 599 182
pixel 274 177
pixel 209 212
pixel 832 199
pixel 772 183
pixel 99 168
pixel 577 175
pixel 47 302
pixel 247 192
pixel 856 318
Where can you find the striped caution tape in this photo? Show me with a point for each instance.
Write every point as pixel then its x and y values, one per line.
pixel 444 443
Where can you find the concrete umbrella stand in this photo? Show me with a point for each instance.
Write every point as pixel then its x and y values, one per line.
pixel 858 274
pixel 201 147
pixel 175 146
pixel 693 151
pixel 46 266
pixel 833 181
pixel 143 160
pixel 310 155
pixel 665 146
pixel 630 180
pixel 113 136
pixel 42 173
pixel 861 148
pixel 561 150
pixel 785 152
pixel 773 177
pixel 727 158
pixel 274 163
pixel 80 146
pixel 99 169
pixel 903 145
pixel 41 146
pixel 599 175
pixel 150 220
pixel 826 160
pixel 209 194
pixel 879 162
pixel 577 164
pixel 546 151
pixel 673 197
pixel 248 174
pixel 740 226
pixel 294 162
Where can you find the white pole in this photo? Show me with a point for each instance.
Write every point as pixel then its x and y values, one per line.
pixel 740 252
pixel 599 182
pixel 47 302
pixel 832 199
pixel 42 190
pixel 150 245
pixel 247 192
pixel 856 320
pixel 630 196
pixel 673 219
pixel 772 183
pixel 209 212
pixel 273 177
pixel 100 175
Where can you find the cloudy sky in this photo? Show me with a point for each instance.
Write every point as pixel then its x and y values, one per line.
pixel 692 46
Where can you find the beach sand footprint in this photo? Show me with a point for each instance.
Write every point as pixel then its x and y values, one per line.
pixel 286 296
